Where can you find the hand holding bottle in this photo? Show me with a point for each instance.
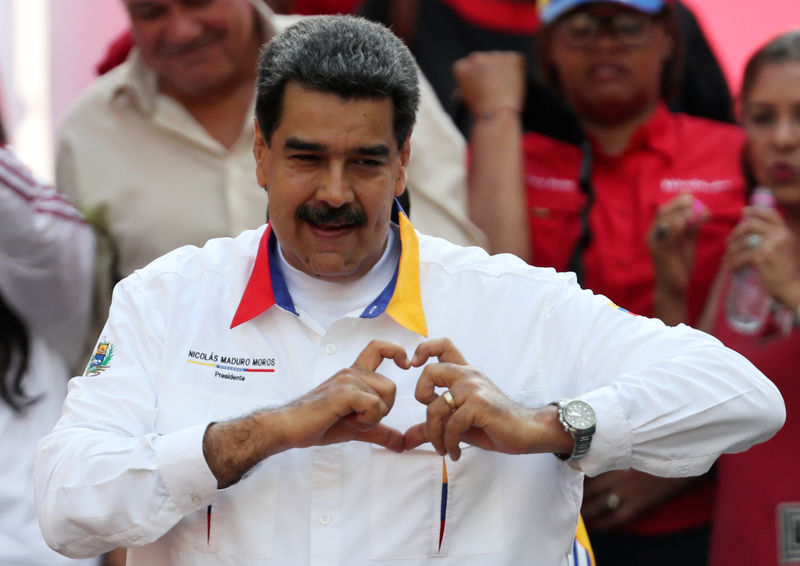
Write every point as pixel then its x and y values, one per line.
pixel 764 242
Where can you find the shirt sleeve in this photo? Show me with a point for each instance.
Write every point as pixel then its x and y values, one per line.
pixel 668 400
pixel 105 447
pixel 46 258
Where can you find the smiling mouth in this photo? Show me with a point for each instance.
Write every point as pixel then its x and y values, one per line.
pixel 332 227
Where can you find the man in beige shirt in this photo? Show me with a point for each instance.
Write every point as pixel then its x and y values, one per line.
pixel 158 152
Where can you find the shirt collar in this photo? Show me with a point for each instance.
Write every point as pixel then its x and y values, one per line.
pixel 657 133
pixel 401 299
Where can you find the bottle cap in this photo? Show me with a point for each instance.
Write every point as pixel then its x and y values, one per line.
pixel 762 197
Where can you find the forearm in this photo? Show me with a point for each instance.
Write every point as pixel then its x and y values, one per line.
pixel 233 448
pixel 496 191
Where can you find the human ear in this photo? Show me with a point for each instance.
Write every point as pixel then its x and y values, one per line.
pixel 261 153
pixel 404 156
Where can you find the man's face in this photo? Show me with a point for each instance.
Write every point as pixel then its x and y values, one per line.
pixel 607 80
pixel 196 46
pixel 331 171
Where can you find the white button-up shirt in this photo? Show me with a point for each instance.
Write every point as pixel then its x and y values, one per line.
pixel 202 335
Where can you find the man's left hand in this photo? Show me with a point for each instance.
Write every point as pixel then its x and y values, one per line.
pixel 480 413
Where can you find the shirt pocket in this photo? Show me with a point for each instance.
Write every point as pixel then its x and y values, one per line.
pixel 242 519
pixel 409 503
pixel 554 220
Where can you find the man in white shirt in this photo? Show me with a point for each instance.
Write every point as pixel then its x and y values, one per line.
pixel 235 413
pixel 158 152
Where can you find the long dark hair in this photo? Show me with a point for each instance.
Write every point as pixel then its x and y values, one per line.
pixel 14 348
pixel 14 352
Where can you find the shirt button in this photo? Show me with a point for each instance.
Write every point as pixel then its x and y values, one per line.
pixel 196 499
pixel 330 348
pixel 325 519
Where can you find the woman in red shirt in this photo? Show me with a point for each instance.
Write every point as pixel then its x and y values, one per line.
pixel 588 203
pixel 757 512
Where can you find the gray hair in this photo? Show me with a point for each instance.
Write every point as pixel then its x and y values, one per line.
pixel 349 56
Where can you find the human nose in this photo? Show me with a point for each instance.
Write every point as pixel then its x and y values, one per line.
pixel 181 27
pixel 786 134
pixel 335 186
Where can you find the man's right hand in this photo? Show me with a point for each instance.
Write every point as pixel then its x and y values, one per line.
pixel 347 406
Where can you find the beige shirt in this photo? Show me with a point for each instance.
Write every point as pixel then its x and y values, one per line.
pixel 149 178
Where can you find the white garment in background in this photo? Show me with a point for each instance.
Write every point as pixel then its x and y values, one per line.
pixel 46 253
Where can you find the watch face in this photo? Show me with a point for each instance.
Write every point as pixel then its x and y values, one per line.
pixel 579 415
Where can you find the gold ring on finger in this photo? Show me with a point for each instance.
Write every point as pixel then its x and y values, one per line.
pixel 448 398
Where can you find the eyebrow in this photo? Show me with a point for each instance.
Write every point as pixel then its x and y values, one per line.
pixel 379 150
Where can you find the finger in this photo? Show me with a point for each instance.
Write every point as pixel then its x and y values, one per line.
pixel 378 350
pixel 593 508
pixel 363 409
pixel 437 375
pixel 383 435
pixel 436 418
pixel 457 425
pixel 415 436
pixel 381 385
pixel 441 348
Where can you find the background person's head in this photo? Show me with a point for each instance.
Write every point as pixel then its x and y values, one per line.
pixel 770 113
pixel 346 56
pixel 197 48
pixel 611 60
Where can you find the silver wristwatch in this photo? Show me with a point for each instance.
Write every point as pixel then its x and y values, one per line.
pixel 577 418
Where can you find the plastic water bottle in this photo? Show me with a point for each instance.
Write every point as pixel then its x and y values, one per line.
pixel 747 305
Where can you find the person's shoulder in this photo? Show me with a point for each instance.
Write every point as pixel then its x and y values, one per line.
pixel 228 257
pixel 536 142
pixel 696 127
pixel 100 91
pixel 455 261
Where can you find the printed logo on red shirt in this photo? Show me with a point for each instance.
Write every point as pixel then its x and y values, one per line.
pixel 551 183
pixel 696 185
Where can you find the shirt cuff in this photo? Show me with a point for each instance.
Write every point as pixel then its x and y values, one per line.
pixel 611 447
pixel 179 456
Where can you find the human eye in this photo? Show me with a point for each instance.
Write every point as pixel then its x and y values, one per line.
pixel 579 29
pixel 304 158
pixel 632 28
pixel 760 116
pixel 196 3
pixel 146 11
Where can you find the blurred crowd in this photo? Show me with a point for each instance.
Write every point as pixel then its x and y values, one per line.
pixel 598 137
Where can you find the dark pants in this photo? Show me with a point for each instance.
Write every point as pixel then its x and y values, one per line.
pixel 684 548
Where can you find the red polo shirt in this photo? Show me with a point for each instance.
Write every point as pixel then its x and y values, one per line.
pixel 669 155
pixel 757 519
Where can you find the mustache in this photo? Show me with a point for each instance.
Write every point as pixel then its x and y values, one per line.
pixel 323 215
pixel 196 43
